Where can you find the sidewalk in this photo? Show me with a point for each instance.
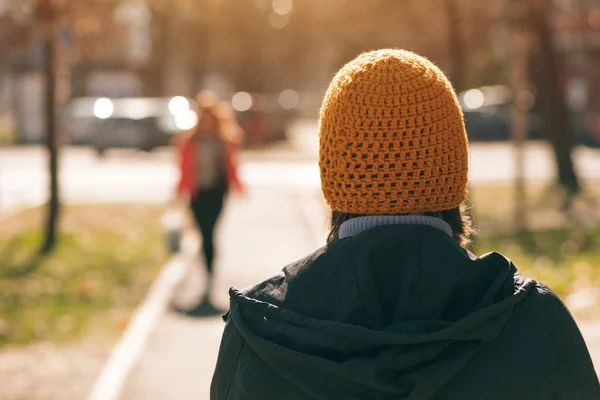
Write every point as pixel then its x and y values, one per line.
pixel 259 235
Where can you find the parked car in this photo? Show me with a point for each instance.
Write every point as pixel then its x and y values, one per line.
pixel 78 121
pixel 140 123
pixel 487 113
pixel 265 117
pixel 147 123
pixel 493 123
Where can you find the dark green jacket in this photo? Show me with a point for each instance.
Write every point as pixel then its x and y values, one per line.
pixel 401 312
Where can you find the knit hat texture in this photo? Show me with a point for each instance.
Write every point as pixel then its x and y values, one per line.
pixel 392 138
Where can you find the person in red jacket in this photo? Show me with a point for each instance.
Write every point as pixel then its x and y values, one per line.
pixel 208 170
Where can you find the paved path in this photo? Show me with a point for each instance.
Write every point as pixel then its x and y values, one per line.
pixel 260 234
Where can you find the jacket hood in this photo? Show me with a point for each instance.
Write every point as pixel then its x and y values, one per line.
pixel 392 313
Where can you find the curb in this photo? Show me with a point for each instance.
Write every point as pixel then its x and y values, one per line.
pixel 129 349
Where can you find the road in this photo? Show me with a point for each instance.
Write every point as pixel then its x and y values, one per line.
pixel 122 176
pixel 125 175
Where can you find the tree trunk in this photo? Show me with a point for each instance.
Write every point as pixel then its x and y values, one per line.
pixel 455 45
pixel 53 210
pixel 519 56
pixel 555 111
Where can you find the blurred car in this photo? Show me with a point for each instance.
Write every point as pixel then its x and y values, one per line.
pixel 487 113
pixel 265 117
pixel 140 123
pixel 493 123
pixel 78 121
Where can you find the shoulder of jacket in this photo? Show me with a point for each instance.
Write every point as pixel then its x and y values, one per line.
pixel 547 305
pixel 274 289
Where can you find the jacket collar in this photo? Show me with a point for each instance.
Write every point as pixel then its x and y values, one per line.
pixel 357 225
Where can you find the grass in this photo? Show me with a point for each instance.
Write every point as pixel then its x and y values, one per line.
pixel 567 260
pixel 493 206
pixel 561 247
pixel 107 257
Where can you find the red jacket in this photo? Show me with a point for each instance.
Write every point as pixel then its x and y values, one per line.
pixel 187 160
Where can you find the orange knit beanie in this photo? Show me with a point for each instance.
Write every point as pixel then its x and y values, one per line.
pixel 392 137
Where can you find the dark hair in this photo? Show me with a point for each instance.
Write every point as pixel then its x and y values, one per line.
pixel 457 218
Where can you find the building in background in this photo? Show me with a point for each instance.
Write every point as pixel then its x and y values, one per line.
pixel 179 47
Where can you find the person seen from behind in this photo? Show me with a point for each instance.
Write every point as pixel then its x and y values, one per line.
pixel 208 167
pixel 394 306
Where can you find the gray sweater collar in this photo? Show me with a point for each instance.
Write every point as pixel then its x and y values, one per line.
pixel 357 225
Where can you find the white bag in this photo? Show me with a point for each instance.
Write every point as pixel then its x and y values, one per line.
pixel 173 223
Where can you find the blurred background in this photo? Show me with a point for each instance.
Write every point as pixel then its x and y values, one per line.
pixel 94 92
